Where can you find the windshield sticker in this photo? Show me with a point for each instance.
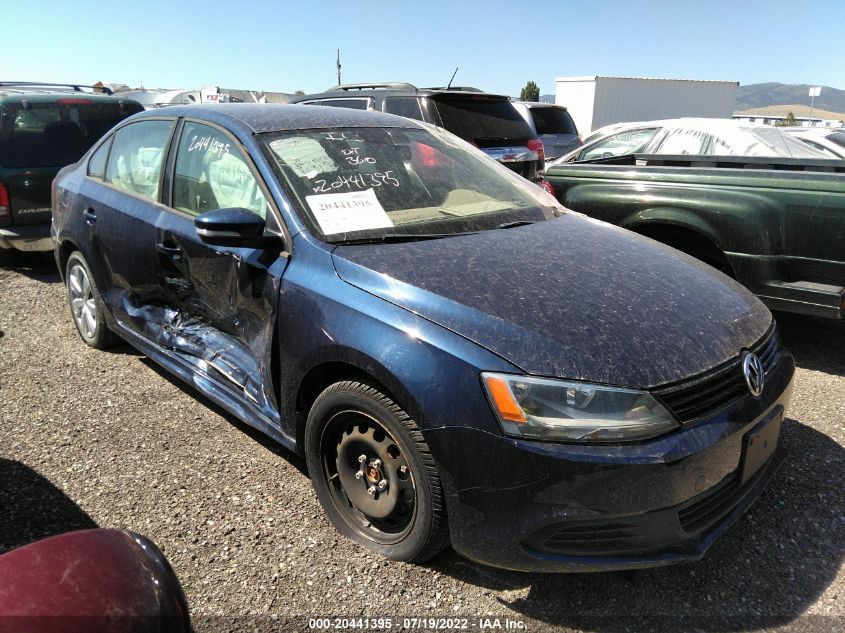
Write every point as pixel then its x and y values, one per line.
pixel 346 212
pixel 304 155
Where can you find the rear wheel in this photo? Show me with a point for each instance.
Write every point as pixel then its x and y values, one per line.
pixel 86 306
pixel 374 474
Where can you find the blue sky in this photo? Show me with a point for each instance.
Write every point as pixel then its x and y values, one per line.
pixel 285 46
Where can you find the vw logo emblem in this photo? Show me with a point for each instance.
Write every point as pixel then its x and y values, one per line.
pixel 755 374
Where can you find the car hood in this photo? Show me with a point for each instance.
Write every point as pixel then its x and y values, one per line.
pixel 570 297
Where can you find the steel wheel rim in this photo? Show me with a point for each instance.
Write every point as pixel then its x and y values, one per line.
pixel 82 303
pixel 387 515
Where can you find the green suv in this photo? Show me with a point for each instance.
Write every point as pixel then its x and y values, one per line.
pixel 44 127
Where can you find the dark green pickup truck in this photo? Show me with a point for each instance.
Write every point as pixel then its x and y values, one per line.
pixel 775 225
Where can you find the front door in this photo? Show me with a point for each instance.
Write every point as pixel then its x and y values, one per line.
pixel 225 298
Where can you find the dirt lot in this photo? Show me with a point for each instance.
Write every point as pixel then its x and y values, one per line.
pixel 104 438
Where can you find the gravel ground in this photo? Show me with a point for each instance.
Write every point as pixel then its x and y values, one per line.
pixel 105 438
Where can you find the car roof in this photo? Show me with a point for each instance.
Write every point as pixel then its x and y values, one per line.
pixel 538 104
pixel 257 118
pixel 12 95
pixel 352 91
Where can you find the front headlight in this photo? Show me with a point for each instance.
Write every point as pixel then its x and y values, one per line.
pixel 567 411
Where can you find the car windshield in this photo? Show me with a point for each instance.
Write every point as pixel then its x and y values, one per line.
pixel 401 183
pixel 58 133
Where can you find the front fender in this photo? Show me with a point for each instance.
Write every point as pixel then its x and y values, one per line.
pixel 433 372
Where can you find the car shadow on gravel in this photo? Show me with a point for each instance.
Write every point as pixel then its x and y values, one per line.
pixel 766 571
pixel 37 266
pixel 32 508
pixel 818 344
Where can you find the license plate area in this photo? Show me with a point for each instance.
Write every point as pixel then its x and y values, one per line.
pixel 759 444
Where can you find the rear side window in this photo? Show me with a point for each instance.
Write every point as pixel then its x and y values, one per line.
pixel 57 133
pixel 408 107
pixel 354 104
pixel 97 162
pixel 136 157
pixel 212 173
pixel 553 121
pixel 485 122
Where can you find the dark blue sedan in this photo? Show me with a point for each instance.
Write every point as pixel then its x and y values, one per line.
pixel 459 358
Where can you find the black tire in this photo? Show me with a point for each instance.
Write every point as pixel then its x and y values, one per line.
pixel 95 332
pixel 349 418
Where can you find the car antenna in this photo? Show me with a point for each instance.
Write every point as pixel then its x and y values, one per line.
pixel 449 85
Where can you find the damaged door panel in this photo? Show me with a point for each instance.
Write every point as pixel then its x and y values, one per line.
pixel 218 307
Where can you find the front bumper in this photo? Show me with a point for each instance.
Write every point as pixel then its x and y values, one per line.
pixel 29 237
pixel 535 506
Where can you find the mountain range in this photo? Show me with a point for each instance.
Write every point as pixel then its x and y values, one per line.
pixel 769 94
pixel 752 96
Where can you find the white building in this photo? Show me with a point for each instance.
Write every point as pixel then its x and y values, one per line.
pixel 597 101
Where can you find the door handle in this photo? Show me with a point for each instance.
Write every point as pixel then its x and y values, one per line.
pixel 90 216
pixel 169 249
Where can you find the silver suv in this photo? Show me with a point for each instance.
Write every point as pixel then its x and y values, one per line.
pixel 552 124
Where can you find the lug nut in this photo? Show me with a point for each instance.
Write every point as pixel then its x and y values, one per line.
pixel 371 490
pixel 382 484
pixel 362 459
pixel 377 463
pixel 359 475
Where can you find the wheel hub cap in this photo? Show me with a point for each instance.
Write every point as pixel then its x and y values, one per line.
pixel 82 301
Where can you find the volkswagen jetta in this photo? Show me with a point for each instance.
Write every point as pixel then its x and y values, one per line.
pixel 459 358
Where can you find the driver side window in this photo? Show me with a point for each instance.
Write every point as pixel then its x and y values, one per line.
pixel 212 173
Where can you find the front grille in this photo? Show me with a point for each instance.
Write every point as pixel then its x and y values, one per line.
pixel 714 506
pixel 587 538
pixel 708 393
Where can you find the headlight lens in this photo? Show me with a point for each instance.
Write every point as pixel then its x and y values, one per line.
pixel 566 411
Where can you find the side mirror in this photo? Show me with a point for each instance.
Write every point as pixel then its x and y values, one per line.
pixel 235 227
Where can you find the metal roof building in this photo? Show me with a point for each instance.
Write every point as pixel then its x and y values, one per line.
pixel 595 101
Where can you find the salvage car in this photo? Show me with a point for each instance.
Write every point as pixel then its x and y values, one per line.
pixel 829 141
pixel 488 121
pixel 44 127
pixel 458 357
pixel 689 136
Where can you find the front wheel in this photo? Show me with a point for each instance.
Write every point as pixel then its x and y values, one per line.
pixel 86 306
pixel 374 474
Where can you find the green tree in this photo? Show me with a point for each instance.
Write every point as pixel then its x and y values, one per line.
pixel 299 93
pixel 531 92
pixel 789 121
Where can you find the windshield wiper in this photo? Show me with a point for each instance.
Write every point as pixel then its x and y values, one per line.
pixel 510 225
pixel 393 238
